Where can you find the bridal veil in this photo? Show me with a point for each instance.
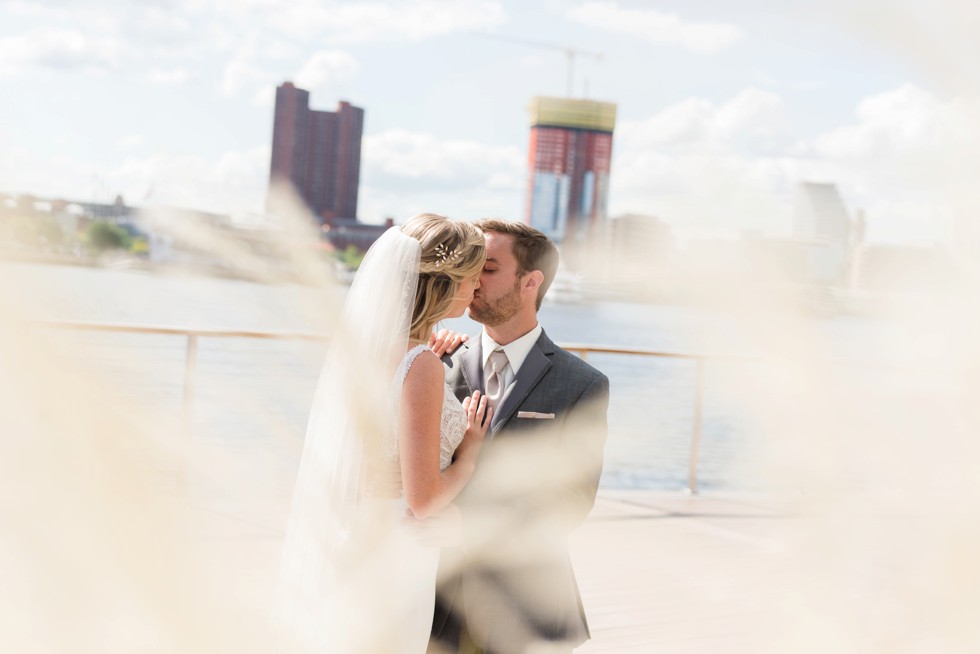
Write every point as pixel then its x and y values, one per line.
pixel 335 531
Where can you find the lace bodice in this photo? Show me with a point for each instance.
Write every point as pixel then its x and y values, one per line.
pixel 453 424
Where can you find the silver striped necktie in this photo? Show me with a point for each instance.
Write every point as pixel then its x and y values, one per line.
pixel 495 383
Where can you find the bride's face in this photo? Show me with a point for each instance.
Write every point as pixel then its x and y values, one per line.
pixel 464 295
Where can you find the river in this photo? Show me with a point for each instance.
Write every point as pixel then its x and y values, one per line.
pixel 248 392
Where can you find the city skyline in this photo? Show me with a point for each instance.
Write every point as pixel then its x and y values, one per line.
pixel 723 109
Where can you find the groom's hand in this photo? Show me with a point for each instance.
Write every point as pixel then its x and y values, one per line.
pixel 444 529
pixel 445 341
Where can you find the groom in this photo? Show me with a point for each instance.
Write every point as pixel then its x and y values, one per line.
pixel 509 586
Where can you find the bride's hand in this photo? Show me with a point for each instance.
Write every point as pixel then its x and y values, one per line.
pixel 478 416
pixel 446 341
pixel 443 529
pixel 479 413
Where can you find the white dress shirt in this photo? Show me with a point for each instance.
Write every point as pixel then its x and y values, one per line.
pixel 516 352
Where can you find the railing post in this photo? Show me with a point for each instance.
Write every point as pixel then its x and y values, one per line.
pixel 692 474
pixel 190 365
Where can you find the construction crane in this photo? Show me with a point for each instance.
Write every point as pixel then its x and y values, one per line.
pixel 570 52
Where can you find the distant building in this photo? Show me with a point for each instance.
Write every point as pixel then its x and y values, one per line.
pixel 821 220
pixel 820 215
pixel 775 261
pixel 341 233
pixel 903 268
pixel 637 238
pixel 633 260
pixel 709 257
pixel 570 154
pixel 317 152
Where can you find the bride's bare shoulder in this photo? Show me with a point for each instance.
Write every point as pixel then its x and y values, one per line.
pixel 426 370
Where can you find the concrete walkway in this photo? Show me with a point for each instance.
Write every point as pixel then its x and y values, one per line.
pixel 658 571
pixel 669 572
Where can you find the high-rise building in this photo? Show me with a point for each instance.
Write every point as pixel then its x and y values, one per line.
pixel 317 152
pixel 821 219
pixel 820 214
pixel 569 158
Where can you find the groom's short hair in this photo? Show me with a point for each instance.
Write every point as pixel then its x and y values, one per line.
pixel 532 249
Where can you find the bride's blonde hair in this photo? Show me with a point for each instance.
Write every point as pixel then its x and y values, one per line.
pixel 452 251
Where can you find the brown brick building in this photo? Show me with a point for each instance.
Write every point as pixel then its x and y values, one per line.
pixel 317 152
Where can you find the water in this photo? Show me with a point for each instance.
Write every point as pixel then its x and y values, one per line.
pixel 253 393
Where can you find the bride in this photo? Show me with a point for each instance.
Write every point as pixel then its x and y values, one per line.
pixel 386 439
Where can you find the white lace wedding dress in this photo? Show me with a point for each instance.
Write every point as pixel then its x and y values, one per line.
pixel 453 424
pixel 414 585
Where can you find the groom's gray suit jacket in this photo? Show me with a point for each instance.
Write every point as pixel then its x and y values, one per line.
pixel 511 582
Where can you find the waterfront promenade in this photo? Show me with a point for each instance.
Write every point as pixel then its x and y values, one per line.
pixel 659 571
pixel 669 572
pixel 875 552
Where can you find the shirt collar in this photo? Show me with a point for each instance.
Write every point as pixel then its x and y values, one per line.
pixel 516 351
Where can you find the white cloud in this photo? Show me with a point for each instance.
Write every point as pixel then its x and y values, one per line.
pixel 657 27
pixel 716 191
pixel 406 172
pixel 750 111
pixel 410 156
pixel 132 141
pixel 346 22
pixel 377 203
pixel 698 124
pixel 264 96
pixel 23 171
pixel 798 85
pixel 168 77
pixel 25 8
pixel 707 166
pixel 904 120
pixel 325 67
pixel 56 48
pixel 683 122
pixel 909 158
pixel 241 71
pixel 280 50
pixel 734 165
pixel 363 22
pixel 235 181
pixel 163 24
pixel 247 70
pixel 905 139
pixel 70 36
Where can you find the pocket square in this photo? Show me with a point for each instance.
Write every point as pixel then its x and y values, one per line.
pixel 535 414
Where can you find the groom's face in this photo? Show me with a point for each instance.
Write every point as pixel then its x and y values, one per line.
pixel 499 297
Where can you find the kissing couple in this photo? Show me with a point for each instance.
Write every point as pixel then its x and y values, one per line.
pixel 441 475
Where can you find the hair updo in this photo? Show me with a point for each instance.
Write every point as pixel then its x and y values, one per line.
pixel 451 252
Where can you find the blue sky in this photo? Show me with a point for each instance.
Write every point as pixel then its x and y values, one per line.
pixel 723 106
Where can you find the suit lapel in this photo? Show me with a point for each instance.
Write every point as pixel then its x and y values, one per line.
pixel 471 365
pixel 532 370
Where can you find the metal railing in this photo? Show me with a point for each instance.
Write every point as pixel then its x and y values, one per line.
pixel 582 350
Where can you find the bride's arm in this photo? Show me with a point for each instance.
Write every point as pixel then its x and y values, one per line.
pixel 426 488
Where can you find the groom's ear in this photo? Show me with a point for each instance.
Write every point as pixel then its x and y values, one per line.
pixel 534 280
